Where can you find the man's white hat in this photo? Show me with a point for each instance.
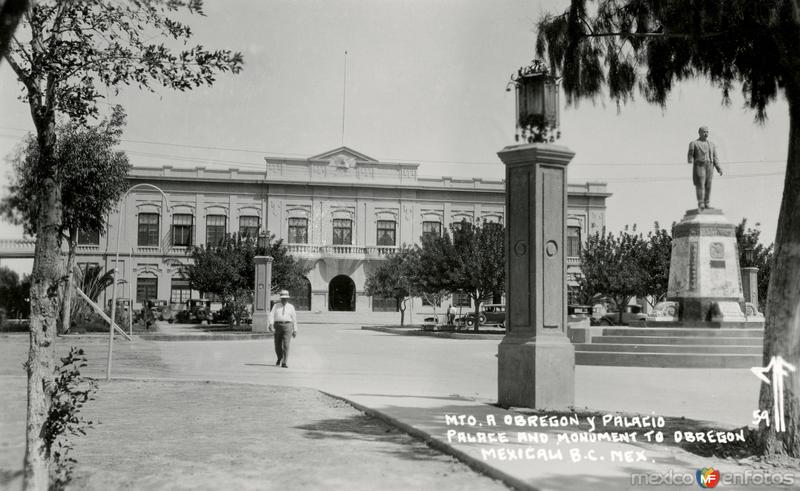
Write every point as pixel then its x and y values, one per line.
pixel 285 294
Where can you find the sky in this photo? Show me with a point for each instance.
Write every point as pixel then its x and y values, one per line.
pixel 425 82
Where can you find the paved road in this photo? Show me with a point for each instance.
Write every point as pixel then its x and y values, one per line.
pixel 416 380
pixel 351 362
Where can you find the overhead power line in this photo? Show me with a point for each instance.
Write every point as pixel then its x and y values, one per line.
pixel 268 153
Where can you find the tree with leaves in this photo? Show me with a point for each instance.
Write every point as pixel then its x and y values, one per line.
pixel 762 256
pixel 14 294
pixel 612 266
pixel 93 178
pixel 480 262
pixel 472 262
pixel 391 278
pixel 228 270
pixel 66 55
pixel 620 45
pixel 93 282
pixel 655 263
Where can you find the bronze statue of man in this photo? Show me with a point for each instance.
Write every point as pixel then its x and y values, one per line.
pixel 703 155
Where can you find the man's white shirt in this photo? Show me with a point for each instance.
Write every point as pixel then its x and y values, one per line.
pixel 283 313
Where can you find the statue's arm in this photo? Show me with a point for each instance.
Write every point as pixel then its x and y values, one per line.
pixel 715 160
pixel 690 156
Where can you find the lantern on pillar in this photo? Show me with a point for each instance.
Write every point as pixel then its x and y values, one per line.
pixel 262 241
pixel 537 94
pixel 748 257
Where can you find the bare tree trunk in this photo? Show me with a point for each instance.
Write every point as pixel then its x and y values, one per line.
pixel 782 329
pixel 402 312
pixel 66 306
pixel 44 295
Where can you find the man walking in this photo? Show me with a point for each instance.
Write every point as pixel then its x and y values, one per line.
pixel 703 154
pixel 283 319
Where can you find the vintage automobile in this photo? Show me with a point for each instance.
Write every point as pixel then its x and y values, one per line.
pixel 631 313
pixel 580 310
pixel 162 310
pixel 195 311
pixel 491 314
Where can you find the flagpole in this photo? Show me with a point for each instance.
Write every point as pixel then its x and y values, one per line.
pixel 344 94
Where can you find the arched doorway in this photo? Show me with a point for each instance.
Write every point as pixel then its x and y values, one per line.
pixel 301 297
pixel 342 294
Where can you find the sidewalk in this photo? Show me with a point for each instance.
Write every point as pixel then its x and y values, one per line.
pixel 418 390
pixel 165 331
pixel 554 465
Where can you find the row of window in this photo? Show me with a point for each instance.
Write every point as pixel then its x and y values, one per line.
pixel 182 230
pixel 249 226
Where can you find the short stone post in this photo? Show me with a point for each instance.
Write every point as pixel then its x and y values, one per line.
pixel 750 285
pixel 536 360
pixel 261 293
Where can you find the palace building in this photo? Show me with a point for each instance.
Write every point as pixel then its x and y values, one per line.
pixel 341 212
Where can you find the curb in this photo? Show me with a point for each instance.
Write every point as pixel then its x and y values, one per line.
pixel 434 334
pixel 205 337
pixel 435 443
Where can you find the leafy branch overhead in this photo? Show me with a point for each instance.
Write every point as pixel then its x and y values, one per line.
pixel 78 47
pixel 622 45
pixel 93 176
pixel 650 44
pixel 68 56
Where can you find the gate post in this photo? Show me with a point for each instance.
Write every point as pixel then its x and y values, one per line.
pixel 261 293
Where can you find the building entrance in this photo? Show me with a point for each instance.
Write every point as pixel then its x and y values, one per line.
pixel 342 294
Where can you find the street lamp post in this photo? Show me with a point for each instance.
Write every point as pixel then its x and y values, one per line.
pixel 116 265
pixel 536 360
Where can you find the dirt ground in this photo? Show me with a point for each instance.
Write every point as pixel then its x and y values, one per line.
pixel 197 435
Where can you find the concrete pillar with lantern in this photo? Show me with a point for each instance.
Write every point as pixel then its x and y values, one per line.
pixel 536 360
pixel 262 287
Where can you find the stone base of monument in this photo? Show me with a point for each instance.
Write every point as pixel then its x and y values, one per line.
pixel 536 372
pixel 747 323
pixel 705 278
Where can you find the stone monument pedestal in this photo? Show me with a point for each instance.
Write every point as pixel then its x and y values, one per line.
pixel 536 361
pixel 704 276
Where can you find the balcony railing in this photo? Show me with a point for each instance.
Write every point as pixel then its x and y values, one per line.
pixel 340 250
pixel 573 261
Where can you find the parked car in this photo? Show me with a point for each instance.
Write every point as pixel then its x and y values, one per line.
pixel 163 311
pixel 631 313
pixel 580 310
pixel 199 310
pixel 491 314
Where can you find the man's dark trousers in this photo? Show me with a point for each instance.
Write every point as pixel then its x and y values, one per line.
pixel 283 336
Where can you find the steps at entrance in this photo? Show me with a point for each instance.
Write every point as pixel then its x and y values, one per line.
pixel 673 347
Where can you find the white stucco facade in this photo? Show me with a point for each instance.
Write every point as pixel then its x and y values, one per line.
pixel 341 188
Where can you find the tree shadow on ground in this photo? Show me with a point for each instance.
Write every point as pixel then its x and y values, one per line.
pixel 367 428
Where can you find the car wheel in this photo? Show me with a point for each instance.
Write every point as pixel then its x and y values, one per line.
pixel 470 322
pixel 482 319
